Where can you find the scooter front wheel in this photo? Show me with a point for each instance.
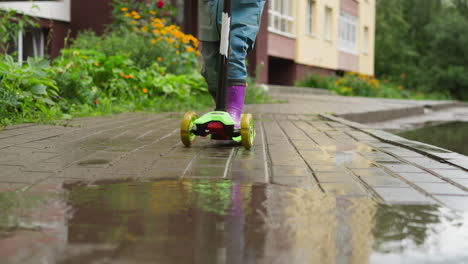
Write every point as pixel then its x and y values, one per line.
pixel 247 131
pixel 188 122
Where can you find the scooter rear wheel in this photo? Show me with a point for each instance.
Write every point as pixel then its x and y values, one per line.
pixel 247 131
pixel 188 122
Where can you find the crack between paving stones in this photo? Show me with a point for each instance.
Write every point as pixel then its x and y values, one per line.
pixel 266 154
pixel 300 155
pixel 228 165
pixel 191 162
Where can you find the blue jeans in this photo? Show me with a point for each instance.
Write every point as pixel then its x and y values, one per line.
pixel 246 15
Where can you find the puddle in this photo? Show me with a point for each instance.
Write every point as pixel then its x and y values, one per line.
pixel 205 221
pixel 451 136
pixel 208 221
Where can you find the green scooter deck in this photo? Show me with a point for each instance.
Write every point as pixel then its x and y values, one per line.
pixel 218 116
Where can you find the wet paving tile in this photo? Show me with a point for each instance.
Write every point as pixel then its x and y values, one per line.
pixel 347 188
pixel 441 189
pixel 294 181
pixel 459 203
pixel 402 196
pixel 157 173
pixel 420 177
pixel 171 163
pixel 290 171
pixel 370 172
pixel 248 176
pixel 451 173
pixel 384 181
pixel 10 187
pixel 326 177
pixel 462 182
pixel 209 172
pixel 401 167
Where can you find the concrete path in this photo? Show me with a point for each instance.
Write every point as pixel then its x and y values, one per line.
pixel 297 146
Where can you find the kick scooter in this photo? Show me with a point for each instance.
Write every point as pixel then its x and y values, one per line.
pixel 219 124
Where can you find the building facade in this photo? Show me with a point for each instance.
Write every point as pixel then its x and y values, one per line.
pixel 321 36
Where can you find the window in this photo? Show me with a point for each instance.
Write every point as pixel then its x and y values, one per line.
pixel 30 44
pixel 310 17
pixel 281 17
pixel 347 35
pixel 327 32
pixel 365 40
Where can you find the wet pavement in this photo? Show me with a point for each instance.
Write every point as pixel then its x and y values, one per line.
pixel 314 189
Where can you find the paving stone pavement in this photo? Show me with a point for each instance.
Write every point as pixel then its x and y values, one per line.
pixel 294 149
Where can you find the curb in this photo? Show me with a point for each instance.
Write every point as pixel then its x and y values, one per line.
pixel 386 115
pixel 273 89
pixel 440 154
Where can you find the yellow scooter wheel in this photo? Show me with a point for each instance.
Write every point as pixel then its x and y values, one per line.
pixel 188 122
pixel 247 131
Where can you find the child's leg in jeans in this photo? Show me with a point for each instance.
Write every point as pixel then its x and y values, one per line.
pixel 210 70
pixel 244 29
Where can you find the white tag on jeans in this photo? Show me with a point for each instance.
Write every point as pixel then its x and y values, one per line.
pixel 225 28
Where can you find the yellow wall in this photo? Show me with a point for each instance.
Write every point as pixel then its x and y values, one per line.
pixel 315 50
pixel 366 19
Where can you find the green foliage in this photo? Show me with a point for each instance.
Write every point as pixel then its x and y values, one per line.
pixel 26 90
pixel 10 23
pixel 424 40
pixel 354 84
pixel 141 50
pixel 87 75
pixel 316 81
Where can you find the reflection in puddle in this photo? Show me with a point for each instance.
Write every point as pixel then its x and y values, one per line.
pixel 450 136
pixel 206 221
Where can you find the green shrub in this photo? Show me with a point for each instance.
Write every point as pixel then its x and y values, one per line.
pixel 355 84
pixel 87 75
pixel 316 81
pixel 26 90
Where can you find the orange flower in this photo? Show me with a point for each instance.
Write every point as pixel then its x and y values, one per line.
pixel 121 74
pixel 124 9
pixel 96 101
pixel 134 13
pixel 137 17
pixel 153 41
pixel 159 59
pixel 96 64
pixel 152 12
pixel 190 49
pixel 128 15
pixel 403 75
pixel 131 76
pixel 144 29
pixel 177 52
pixel 144 90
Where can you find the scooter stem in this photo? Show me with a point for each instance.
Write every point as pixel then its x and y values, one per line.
pixel 224 50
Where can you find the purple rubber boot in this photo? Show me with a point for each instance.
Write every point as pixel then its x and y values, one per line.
pixel 235 96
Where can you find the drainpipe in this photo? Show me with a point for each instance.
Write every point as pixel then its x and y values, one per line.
pixel 20 47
